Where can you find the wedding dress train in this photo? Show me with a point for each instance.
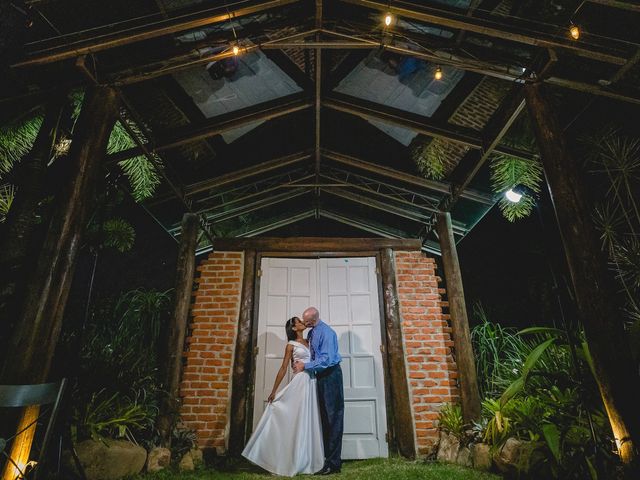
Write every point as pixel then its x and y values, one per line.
pixel 288 438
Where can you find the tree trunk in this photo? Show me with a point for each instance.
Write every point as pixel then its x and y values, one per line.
pixel 592 282
pixel 469 392
pixel 169 402
pixel 33 341
pixel 21 219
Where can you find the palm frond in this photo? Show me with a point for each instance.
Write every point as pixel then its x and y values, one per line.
pixel 141 172
pixel 119 234
pixel 7 194
pixel 506 173
pixel 16 140
pixel 430 157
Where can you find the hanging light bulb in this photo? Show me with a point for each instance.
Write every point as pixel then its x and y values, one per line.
pixel 388 18
pixel 236 50
pixel 513 196
pixel 574 31
pixel 438 74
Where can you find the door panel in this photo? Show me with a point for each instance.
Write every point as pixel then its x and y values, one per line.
pixel 349 303
pixel 287 287
pixel 346 292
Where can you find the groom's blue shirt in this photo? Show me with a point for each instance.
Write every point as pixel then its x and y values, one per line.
pixel 324 348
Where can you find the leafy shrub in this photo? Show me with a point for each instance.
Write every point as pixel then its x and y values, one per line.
pixel 538 391
pixel 450 419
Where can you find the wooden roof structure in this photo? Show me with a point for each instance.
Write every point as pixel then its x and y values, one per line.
pixel 317 152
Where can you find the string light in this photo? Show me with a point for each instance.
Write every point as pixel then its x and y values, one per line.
pixel 236 50
pixel 388 18
pixel 574 31
pixel 438 74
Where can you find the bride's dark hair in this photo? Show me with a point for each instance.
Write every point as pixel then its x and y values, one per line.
pixel 288 327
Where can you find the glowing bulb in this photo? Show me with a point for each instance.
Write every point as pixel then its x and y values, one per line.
pixel 513 196
pixel 388 19
pixel 575 32
pixel 438 74
pixel 236 49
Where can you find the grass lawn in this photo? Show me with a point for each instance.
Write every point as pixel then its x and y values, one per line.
pixel 388 469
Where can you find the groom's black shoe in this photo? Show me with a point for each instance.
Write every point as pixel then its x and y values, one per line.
pixel 327 471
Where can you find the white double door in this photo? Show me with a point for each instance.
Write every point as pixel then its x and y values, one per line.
pixel 345 290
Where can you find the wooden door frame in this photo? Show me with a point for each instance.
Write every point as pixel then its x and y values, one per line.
pixel 242 388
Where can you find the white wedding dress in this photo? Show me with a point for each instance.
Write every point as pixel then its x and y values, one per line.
pixel 288 438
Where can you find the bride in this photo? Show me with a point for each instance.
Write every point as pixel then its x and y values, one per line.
pixel 288 438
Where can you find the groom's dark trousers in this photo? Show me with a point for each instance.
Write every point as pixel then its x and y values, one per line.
pixel 331 399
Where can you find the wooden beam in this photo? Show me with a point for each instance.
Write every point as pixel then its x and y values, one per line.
pixel 243 360
pixel 495 130
pixel 414 180
pixel 315 244
pixel 364 224
pixel 195 57
pixel 103 38
pixel 258 204
pixel 223 123
pixel 595 294
pixel 469 392
pixel 34 340
pixel 402 424
pixel 510 71
pixel 177 328
pixel 412 121
pixel 240 175
pixel 518 31
pixel 632 7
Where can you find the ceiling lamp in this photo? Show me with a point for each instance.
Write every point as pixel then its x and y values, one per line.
pixel 438 74
pixel 388 18
pixel 513 196
pixel 574 31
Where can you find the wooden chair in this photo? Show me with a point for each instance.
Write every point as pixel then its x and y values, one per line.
pixel 47 395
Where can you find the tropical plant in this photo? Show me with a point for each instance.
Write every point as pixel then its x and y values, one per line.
pixel 614 161
pixel 450 419
pixel 508 172
pixel 430 157
pixel 16 140
pixel 553 399
pixel 7 193
pixel 113 416
pixel 116 389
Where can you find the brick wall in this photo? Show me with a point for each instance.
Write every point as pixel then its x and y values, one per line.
pixel 428 345
pixel 206 379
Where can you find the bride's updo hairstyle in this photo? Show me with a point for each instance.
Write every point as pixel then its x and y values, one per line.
pixel 288 327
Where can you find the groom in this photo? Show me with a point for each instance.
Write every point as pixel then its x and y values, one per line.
pixel 325 364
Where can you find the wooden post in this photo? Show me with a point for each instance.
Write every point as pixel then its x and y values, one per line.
pixel 402 424
pixel 241 380
pixel 465 361
pixel 595 296
pixel 34 340
pixel 176 330
pixel 21 444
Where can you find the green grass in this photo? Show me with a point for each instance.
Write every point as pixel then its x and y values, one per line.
pixel 388 469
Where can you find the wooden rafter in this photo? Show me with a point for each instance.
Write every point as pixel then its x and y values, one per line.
pixel 223 123
pixel 110 37
pixel 412 121
pixel 421 182
pixel 614 52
